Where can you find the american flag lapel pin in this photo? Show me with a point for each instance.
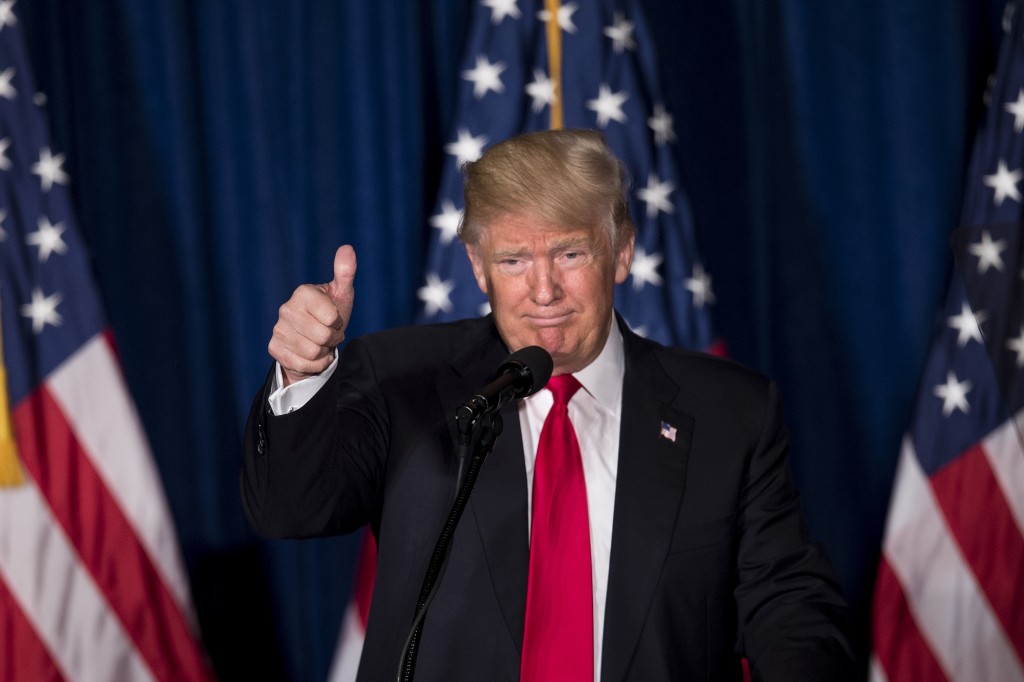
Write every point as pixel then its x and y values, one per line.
pixel 668 431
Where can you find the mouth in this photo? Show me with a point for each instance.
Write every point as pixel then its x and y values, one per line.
pixel 550 320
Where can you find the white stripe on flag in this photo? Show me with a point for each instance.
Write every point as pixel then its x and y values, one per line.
pixel 59 598
pixel 90 390
pixel 876 672
pixel 350 646
pixel 942 593
pixel 1004 450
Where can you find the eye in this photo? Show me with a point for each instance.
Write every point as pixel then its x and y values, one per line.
pixel 511 266
pixel 573 258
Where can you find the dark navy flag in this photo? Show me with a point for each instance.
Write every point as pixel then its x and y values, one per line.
pixel 949 599
pixel 608 83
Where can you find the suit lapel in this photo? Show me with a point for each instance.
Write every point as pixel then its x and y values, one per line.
pixel 497 506
pixel 499 509
pixel 648 493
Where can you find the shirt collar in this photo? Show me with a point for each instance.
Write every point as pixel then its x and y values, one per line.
pixel 603 377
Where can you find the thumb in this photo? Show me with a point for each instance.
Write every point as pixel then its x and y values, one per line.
pixel 340 288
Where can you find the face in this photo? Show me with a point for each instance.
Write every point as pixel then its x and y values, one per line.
pixel 549 286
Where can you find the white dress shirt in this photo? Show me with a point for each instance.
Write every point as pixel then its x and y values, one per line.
pixel 595 412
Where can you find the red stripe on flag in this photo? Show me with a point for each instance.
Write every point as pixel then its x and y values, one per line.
pixel 23 656
pixel 366 571
pixel 105 541
pixel 902 652
pixel 718 348
pixel 982 523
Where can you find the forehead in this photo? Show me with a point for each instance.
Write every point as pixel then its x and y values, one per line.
pixel 527 229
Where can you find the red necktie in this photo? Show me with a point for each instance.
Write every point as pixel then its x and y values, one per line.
pixel 558 642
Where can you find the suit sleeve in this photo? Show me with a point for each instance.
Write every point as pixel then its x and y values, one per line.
pixel 792 616
pixel 317 471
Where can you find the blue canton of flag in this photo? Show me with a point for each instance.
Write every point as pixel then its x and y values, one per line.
pixel 951 581
pixel 608 83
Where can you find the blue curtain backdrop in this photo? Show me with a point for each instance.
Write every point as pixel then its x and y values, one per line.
pixel 220 150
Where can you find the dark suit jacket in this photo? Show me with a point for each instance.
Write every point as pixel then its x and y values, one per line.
pixel 711 559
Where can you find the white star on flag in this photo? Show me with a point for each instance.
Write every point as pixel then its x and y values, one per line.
pixel 661 124
pixel 435 294
pixel 1004 182
pixel 953 394
pixel 42 310
pixel 485 76
pixel 645 268
pixel 541 90
pixel 608 105
pixel 5 163
pixel 1017 346
pixel 655 195
pixel 49 170
pixel 467 148
pixel 621 33
pixel 447 221
pixel 3 217
pixel 7 17
pixel 700 286
pixel 7 90
pixel 47 238
pixel 989 253
pixel 501 9
pixel 1017 109
pixel 565 13
pixel 967 325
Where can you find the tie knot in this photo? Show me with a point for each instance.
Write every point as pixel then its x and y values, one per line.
pixel 563 387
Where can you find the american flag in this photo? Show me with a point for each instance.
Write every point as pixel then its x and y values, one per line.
pixel 91 583
pixel 607 80
pixel 949 596
pixel 668 431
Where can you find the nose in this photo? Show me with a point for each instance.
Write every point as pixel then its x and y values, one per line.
pixel 545 283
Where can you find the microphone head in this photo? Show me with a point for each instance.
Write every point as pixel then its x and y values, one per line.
pixel 533 362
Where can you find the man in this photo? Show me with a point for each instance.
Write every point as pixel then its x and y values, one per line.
pixel 698 552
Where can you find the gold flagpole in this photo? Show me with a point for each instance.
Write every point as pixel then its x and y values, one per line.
pixel 10 468
pixel 554 36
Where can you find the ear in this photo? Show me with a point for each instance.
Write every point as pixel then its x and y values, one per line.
pixel 624 260
pixel 476 260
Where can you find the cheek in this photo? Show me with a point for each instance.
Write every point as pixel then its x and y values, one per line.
pixel 510 289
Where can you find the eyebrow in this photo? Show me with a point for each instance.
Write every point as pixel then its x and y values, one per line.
pixel 571 243
pixel 560 245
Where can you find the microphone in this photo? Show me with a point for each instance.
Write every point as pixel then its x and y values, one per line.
pixel 524 373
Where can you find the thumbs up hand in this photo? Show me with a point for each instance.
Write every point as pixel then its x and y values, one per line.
pixel 312 322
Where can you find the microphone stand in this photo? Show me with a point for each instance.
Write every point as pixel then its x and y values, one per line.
pixel 488 428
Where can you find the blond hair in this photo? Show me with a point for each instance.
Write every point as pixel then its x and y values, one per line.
pixel 568 177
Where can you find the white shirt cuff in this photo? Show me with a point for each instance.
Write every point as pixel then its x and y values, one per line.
pixel 292 397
